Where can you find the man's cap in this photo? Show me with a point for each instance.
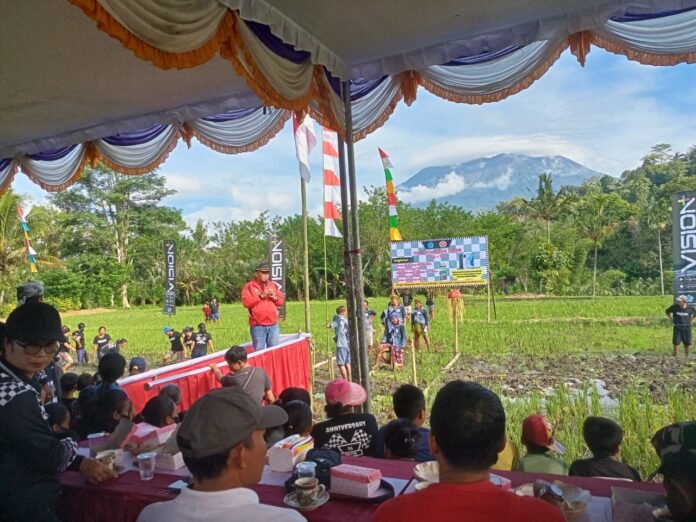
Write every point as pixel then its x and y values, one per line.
pixel 683 298
pixel 34 322
pixel 538 430
pixel 188 329
pixel 137 362
pixel 345 392
pixel 167 329
pixel 29 290
pixel 223 419
pixel 263 267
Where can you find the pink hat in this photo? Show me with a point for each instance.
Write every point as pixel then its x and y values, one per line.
pixel 345 392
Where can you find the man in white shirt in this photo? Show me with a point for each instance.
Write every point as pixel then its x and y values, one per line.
pixel 221 439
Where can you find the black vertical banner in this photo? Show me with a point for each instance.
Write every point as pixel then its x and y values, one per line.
pixel 169 277
pixel 276 255
pixel 684 244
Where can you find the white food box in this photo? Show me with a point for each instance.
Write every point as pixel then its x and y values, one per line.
pixel 286 453
pixel 169 462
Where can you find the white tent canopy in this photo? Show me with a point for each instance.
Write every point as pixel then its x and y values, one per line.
pixel 78 73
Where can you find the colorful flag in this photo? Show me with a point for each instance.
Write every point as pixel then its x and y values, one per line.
pixel 31 253
pixel 305 141
pixel 332 185
pixel 394 234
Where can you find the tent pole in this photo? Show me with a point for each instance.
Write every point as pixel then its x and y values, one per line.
pixel 347 262
pixel 358 287
pixel 305 238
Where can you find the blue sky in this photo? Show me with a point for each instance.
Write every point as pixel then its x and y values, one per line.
pixel 605 116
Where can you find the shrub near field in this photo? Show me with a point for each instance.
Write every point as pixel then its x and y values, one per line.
pixel 528 338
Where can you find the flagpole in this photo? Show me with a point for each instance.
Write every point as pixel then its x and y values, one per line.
pixel 326 297
pixel 305 237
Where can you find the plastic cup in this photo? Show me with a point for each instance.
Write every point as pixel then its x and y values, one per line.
pixel 146 465
pixel 94 440
pixel 306 469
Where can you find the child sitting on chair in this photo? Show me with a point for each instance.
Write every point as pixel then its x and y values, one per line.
pixel 391 351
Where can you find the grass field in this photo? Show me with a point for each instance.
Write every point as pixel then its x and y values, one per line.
pixel 538 354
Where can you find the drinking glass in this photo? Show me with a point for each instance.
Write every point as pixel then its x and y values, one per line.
pixel 146 465
pixel 306 469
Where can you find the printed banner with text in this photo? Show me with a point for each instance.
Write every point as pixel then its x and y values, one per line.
pixel 684 244
pixel 459 261
pixel 276 253
pixel 169 277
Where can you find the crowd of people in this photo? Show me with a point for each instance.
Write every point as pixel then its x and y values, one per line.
pixel 224 435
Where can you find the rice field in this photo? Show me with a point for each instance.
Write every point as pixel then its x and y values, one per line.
pixel 538 354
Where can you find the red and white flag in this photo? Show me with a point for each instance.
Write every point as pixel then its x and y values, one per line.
pixel 305 141
pixel 332 185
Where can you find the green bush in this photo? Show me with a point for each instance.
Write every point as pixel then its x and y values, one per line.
pixel 64 304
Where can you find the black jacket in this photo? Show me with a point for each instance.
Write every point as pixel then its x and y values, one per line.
pixel 31 454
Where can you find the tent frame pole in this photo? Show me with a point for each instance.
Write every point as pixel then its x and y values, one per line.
pixel 347 263
pixel 356 256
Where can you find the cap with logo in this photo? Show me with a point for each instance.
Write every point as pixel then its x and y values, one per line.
pixel 683 298
pixel 223 419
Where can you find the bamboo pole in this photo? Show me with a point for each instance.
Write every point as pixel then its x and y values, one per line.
pixel 305 237
pixel 452 361
pixel 413 362
pixel 358 288
pixel 326 301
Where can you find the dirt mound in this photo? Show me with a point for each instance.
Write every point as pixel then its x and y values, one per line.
pixel 76 313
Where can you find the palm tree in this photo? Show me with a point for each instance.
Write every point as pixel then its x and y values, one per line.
pixel 548 205
pixel 13 253
pixel 598 218
pixel 656 216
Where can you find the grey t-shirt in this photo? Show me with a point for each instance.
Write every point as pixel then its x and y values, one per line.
pixel 253 380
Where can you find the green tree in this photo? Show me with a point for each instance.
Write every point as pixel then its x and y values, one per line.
pixel 598 217
pixel 657 218
pixel 548 205
pixel 119 217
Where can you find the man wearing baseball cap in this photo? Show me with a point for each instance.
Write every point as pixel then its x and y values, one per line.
pixel 221 440
pixel 537 436
pixel 676 446
pixel 31 454
pixel 262 297
pixel 681 314
pixel 176 347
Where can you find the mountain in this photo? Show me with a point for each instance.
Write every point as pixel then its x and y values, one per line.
pixel 482 183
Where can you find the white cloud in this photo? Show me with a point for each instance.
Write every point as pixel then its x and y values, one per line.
pixel 449 185
pixel 182 183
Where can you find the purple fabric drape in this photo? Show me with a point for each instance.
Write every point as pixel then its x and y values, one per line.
pixel 138 137
pixel 53 155
pixel 483 57
pixel 232 115
pixel 275 44
pixel 5 163
pixel 358 88
pixel 637 17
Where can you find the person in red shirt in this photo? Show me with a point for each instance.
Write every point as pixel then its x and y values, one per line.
pixel 467 431
pixel 262 298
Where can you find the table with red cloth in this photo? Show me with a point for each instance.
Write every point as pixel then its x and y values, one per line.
pixel 123 499
pixel 287 364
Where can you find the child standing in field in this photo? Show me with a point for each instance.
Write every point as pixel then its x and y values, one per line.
pixel 207 311
pixel 339 324
pixel 419 324
pixel 393 343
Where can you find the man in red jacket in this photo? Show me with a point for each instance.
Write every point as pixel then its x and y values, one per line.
pixel 262 298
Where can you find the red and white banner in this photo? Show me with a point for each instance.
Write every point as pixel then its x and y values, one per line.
pixel 332 185
pixel 287 364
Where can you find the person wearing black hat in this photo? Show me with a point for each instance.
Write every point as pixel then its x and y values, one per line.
pixel 221 440
pixel 262 298
pixel 30 452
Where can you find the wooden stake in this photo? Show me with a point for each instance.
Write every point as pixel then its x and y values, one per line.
pixel 454 360
pixel 321 363
pixel 331 368
pixel 413 362
pixel 488 292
